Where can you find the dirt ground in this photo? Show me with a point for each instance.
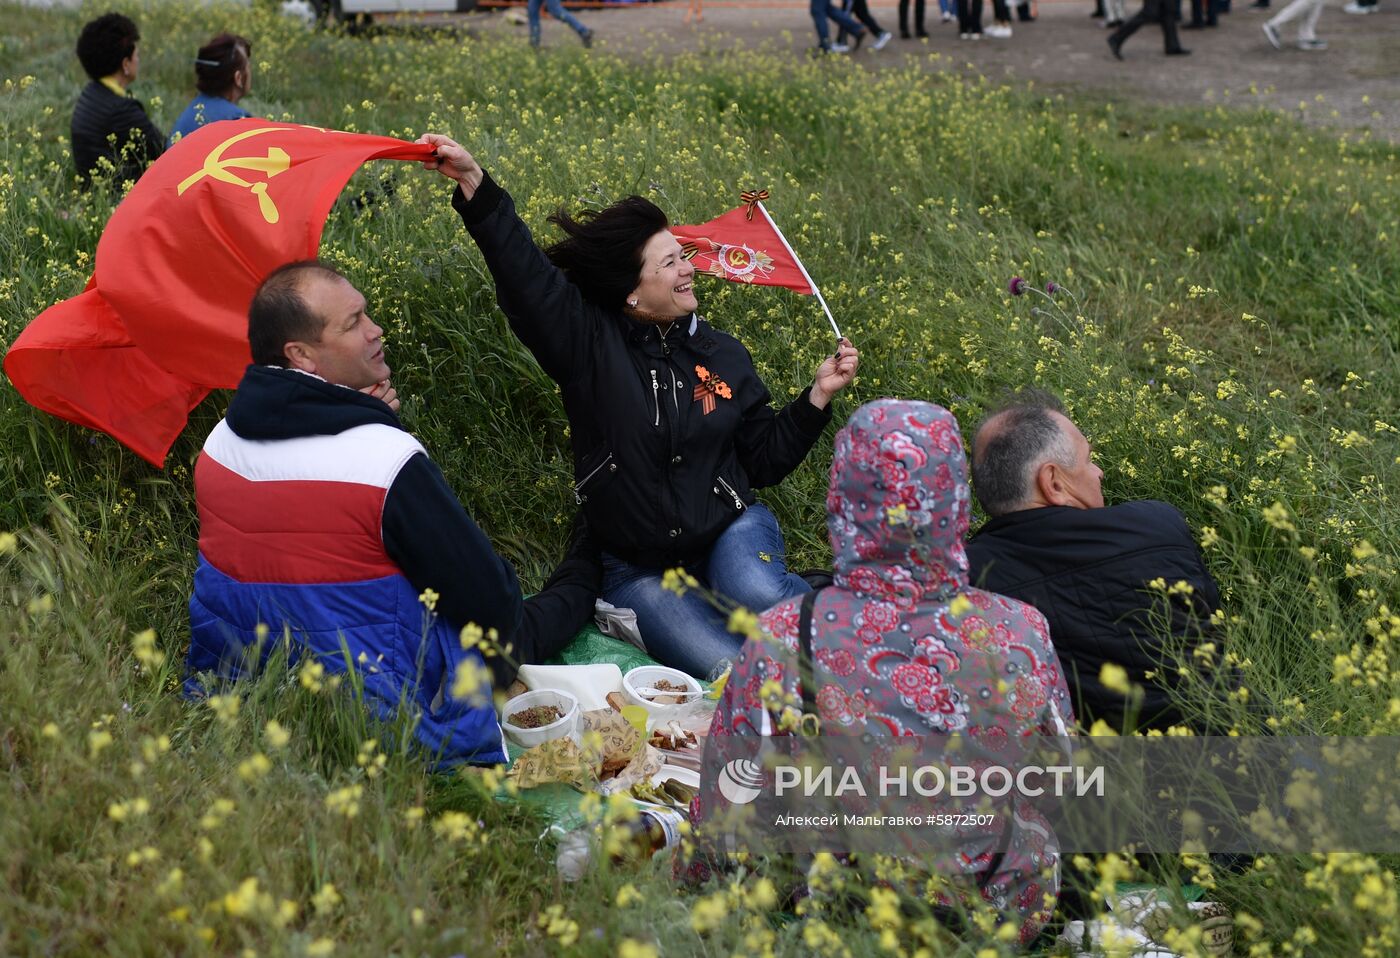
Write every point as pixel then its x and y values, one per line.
pixel 1358 76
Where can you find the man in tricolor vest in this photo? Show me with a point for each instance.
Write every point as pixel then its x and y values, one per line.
pixel 322 518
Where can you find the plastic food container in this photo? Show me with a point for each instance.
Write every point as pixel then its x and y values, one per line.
pixel 562 728
pixel 646 677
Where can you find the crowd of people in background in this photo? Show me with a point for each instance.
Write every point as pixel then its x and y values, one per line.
pixel 112 132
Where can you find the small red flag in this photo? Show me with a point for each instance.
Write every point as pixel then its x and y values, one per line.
pixel 164 318
pixel 745 247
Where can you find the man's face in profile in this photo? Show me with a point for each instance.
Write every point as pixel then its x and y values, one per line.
pixel 350 351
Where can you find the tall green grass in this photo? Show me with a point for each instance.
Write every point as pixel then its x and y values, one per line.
pixel 1232 350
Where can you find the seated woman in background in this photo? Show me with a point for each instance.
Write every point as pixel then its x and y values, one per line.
pixel 108 122
pixel 223 74
pixel 672 429
pixel 901 645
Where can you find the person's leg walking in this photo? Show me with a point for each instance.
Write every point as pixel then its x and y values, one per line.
pixel 532 12
pixel 817 8
pixel 845 20
pixel 1168 13
pixel 682 631
pixel 1307 31
pixel 861 9
pixel 557 11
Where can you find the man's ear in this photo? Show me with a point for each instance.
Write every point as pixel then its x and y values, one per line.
pixel 1049 483
pixel 299 356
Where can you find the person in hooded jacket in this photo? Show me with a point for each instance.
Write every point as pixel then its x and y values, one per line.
pixel 672 429
pixel 901 645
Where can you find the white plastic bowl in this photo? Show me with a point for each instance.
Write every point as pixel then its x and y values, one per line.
pixel 646 677
pixel 530 737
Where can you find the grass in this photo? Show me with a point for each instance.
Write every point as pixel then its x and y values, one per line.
pixel 1233 351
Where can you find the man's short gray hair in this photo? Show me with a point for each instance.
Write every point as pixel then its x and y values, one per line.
pixel 1023 435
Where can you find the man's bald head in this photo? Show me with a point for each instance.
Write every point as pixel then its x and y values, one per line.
pixel 1027 454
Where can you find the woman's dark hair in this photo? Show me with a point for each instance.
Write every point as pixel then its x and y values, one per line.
pixel 105 43
pixel 218 61
pixel 601 252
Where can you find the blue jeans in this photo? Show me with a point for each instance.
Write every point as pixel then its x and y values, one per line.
pixel 747 564
pixel 821 9
pixel 557 11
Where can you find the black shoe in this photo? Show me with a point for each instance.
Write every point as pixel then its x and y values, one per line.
pixel 1179 52
pixel 587 37
pixel 1116 45
pixel 904 34
pixel 1260 4
pixel 1193 26
pixel 856 40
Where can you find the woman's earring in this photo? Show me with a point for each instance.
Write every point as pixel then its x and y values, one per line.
pixel 632 303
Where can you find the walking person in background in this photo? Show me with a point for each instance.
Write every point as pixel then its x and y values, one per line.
pixel 109 124
pixel 860 9
pixel 919 30
pixel 970 19
pixel 223 73
pixel 1164 12
pixel 557 11
pixel 1204 13
pixel 1309 10
pixel 1001 29
pixel 822 10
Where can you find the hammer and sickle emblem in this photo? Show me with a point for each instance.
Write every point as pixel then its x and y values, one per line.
pixel 738 257
pixel 217 168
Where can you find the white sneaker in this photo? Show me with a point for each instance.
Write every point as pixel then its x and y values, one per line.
pixel 947 17
pixel 1358 9
pixel 1313 44
pixel 881 40
pixel 838 48
pixel 1271 32
pixel 998 31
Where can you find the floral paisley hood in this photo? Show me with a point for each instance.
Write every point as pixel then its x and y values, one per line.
pixel 903 645
pixel 898 503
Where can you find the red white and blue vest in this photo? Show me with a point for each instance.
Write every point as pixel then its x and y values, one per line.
pixel 291 539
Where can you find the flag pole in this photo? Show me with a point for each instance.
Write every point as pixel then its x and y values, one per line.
pixel 816 292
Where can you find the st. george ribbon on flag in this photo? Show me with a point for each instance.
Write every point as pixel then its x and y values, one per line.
pixel 746 248
pixel 164 318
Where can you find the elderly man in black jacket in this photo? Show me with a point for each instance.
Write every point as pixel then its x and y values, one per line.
pixel 1053 543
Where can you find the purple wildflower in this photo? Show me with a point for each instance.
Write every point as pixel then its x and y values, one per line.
pixel 1052 287
pixel 1017 286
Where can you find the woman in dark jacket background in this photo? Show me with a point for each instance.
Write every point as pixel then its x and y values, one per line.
pixel 108 122
pixel 672 429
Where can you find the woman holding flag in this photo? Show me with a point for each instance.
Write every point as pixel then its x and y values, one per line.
pixel 672 428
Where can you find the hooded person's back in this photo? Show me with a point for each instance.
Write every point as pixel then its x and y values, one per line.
pixel 903 646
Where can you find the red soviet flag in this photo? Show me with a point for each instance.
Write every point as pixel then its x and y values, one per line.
pixel 745 246
pixel 165 316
